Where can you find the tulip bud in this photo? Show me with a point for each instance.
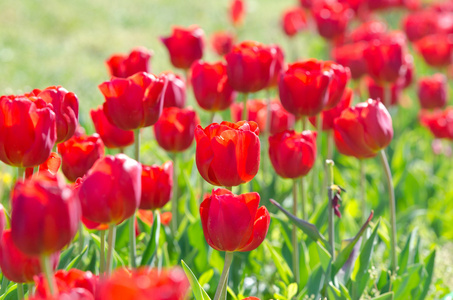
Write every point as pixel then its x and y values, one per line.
pixel 175 92
pixel 294 20
pixel 432 91
pixel 340 78
pixel 332 18
pixel 440 123
pixel 237 12
pixel 157 185
pixel 436 49
pixel 222 42
pixel 125 65
pixel 351 56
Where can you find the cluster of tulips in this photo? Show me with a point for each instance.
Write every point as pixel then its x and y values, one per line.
pixel 39 132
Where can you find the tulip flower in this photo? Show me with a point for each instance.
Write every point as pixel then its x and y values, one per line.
pixel 175 129
pixel 237 12
pixel 332 18
pixel 222 42
pixel 27 130
pixel 2 219
pixel 45 215
pixel 292 154
pixel 419 24
pixel 234 222
pixel 294 20
pixel 72 294
pixel 147 217
pixel 185 46
pixel 79 154
pixel 67 281
pixel 436 49
pixel 340 78
pixel 157 184
pixel 125 65
pixel 66 108
pixel 112 136
pixel 377 91
pixel 278 66
pixel 440 123
pixel 432 91
pixel 408 78
pixel 16 265
pixel 363 130
pixel 351 56
pixel 210 86
pixel 228 154
pixel 111 190
pixel 50 166
pixel 303 88
pixel 175 92
pixel 368 31
pixel 134 102
pixel 251 298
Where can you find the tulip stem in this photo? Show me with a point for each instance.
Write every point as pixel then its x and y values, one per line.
pixel 362 189
pixel 46 268
pixel 132 242
pixel 20 291
pixel 316 167
pixel 388 174
pixel 302 197
pixel 174 202
pixel 20 173
pixel 81 240
pixel 387 95
pixel 102 262
pixel 294 236
pixel 244 106
pixel 329 165
pixel 223 283
pixel 304 122
pixel 330 143
pixel 137 144
pixel 111 247
pixel 212 117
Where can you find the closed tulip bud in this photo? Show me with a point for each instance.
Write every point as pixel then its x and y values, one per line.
pixel 292 154
pixel 234 222
pixel 351 56
pixel 211 87
pixel 340 78
pixel 237 12
pixel 228 154
pixel 45 214
pixel 185 46
pixel 111 190
pixel 376 91
pixel 294 20
pixel 436 49
pixel 18 266
pixel 157 185
pixel 363 130
pixel 432 91
pixel 440 123
pixel 175 129
pixel 303 88
pixel 112 136
pixel 79 154
pixel 332 18
pixel 125 65
pixel 175 92
pixel 27 130
pixel 134 102
pixel 222 42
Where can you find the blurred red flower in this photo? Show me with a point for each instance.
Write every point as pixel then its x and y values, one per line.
pixel 157 184
pixel 125 65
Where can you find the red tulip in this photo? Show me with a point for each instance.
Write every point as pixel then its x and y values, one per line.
pixel 436 49
pixel 340 78
pixel 2 219
pixel 185 46
pixel 408 78
pixel 234 222
pixel 376 91
pixel 50 166
pixel 112 136
pixel 72 294
pixel 306 3
pixel 67 281
pixel 369 31
pixel 148 218
pixel 45 215
pixel 79 154
pixel 175 92
pixel 66 108
pixel 111 190
pixel 125 65
pixel 222 42
pixel 432 91
pixel 251 298
pixel 210 86
pixel 237 12
pixel 332 18
pixel 351 56
pixel 27 130
pixel 278 66
pixel 157 184
pixel 228 154
pixel 292 154
pixel 144 284
pixel 134 102
pixel 303 88
pixel 294 20
pixel 175 129
pixel 363 130
pixel 420 24
pixel 440 123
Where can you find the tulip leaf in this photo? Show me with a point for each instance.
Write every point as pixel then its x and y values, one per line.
pixel 407 255
pixel 386 296
pixel 341 293
pixel 282 267
pixel 344 255
pixel 315 283
pixel 65 257
pixel 307 227
pixel 429 268
pixel 76 259
pixel 198 292
pixel 407 283
pixel 324 257
pixel 153 242
pixel 11 293
pixel 5 283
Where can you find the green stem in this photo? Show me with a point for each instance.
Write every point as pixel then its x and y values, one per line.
pixel 121 149
pixel 20 173
pixel 304 122
pixel 244 107
pixel 302 197
pixel 137 144
pixel 20 291
pixel 223 283
pixel 329 165
pixel 316 168
pixel 132 242
pixel 330 144
pixel 230 188
pixel 174 202
pixel 387 94
pixel 46 268
pixel 212 117
pixel 363 189
pixel 294 235
pixel 111 247
pixel 102 262
pixel 388 174
pixel 81 240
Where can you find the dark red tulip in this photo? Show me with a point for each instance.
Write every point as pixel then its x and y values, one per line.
pixel 332 18
pixel 66 108
pixel 234 222
pixel 358 6
pixel 210 86
pixel 111 190
pixel 292 154
pixel 303 87
pixel 67 281
pixel 45 214
pixel 157 184
pixel 432 91
pixel 306 3
pixel 79 154
pixel 376 91
pixel 145 283
pixel 368 31
pixel 436 49
pixel 16 265
pixel 228 154
pixel 175 92
pixel 175 129
pixel 294 20
pixel 340 78
pixel 27 130
pixel 351 56
pixel 363 130
pixel 112 136
pixel 185 45
pixel 222 42
pixel 134 102
pixel 125 65
pixel 237 12
pixel 440 123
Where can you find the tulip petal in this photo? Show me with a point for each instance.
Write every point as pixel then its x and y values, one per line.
pixel 260 228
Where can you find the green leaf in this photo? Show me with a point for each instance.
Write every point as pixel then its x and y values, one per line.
pixel 341 293
pixel 197 241
pixel 292 290
pixel 153 242
pixel 232 293
pixel 304 269
pixel 65 257
pixel 282 267
pixel 324 257
pixel 386 296
pixel 406 256
pixel 315 283
pixel 198 291
pixel 429 268
pixel 404 285
pixel 11 293
pixel 76 259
